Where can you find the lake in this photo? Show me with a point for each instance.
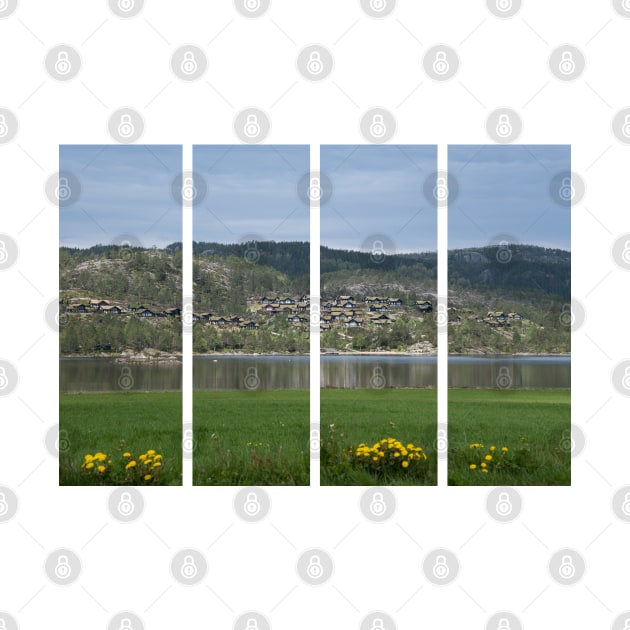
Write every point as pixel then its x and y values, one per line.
pixel 336 371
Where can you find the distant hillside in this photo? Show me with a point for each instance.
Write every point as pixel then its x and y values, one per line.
pixel 290 258
pixel 409 276
pixel 507 298
pixel 225 277
pixel 129 275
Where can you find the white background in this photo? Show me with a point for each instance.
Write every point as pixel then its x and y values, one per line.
pixel 252 63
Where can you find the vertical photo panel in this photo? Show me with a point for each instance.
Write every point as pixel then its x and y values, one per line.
pixel 509 315
pixel 251 315
pixel 120 342
pixel 378 208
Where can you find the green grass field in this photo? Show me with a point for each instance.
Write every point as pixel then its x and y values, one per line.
pixel 534 425
pixel 115 423
pixel 368 416
pixel 251 437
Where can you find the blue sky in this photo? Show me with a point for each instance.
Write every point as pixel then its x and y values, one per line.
pixel 125 190
pixel 378 191
pixel 253 193
pixel 506 190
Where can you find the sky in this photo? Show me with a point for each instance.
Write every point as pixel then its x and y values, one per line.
pixel 125 191
pixel 253 193
pixel 378 195
pixel 505 190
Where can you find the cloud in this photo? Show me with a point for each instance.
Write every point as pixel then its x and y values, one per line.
pixel 378 190
pixel 124 190
pixel 506 190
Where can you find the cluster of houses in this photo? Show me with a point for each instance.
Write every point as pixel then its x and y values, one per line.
pixel 108 308
pixel 294 309
pixel 345 310
pixel 495 319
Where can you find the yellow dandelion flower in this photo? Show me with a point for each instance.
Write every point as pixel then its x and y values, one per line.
pixel 488 458
pixel 484 470
pixel 147 477
pixel 147 462
pixel 381 454
pixel 484 465
pixel 374 459
pixel 131 464
pixel 396 454
pixel 150 452
pixel 101 468
pixel 473 466
pixel 156 464
pixel 493 448
pixel 101 457
pixel 88 458
pixel 404 463
pixel 142 457
pixel 89 465
pixel 127 455
pixel 504 449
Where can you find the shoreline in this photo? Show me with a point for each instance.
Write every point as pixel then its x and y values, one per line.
pixel 177 357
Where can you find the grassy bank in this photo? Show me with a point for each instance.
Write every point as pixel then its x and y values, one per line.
pixel 251 437
pixel 115 423
pixel 350 417
pixel 533 425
